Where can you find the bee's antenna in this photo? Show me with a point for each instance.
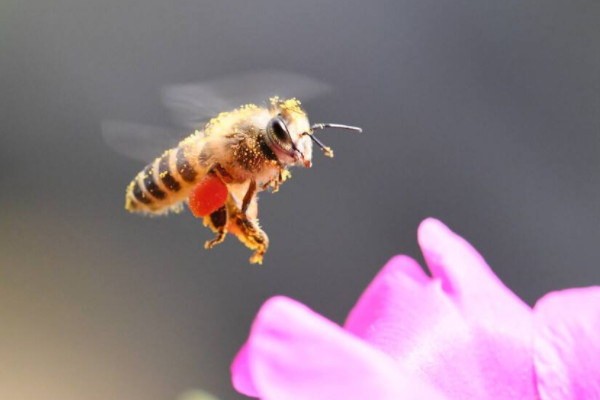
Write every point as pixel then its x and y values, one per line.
pixel 339 126
pixel 326 149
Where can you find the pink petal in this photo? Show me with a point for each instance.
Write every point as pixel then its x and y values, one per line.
pixel 403 308
pixel 463 330
pixel 567 344
pixel 294 353
pixel 467 278
pixel 241 375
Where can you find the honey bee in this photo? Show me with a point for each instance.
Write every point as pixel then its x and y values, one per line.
pixel 219 170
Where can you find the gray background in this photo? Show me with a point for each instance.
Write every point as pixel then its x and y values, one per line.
pixel 483 114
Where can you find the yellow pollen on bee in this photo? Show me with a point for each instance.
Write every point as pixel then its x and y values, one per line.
pixel 292 105
pixel 243 112
pixel 285 175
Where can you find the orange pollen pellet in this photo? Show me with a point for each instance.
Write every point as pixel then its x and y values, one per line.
pixel 207 196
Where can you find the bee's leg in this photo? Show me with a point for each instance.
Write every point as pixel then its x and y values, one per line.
pixel 248 232
pixel 284 175
pixel 267 185
pixel 221 172
pixel 249 196
pixel 217 221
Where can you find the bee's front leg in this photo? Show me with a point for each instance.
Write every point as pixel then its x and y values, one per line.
pixel 274 183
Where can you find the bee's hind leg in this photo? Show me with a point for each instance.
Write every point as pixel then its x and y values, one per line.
pixel 217 221
pixel 248 231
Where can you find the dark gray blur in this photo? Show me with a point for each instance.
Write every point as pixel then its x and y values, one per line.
pixel 483 114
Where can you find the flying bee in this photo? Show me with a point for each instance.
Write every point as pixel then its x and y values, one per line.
pixel 219 169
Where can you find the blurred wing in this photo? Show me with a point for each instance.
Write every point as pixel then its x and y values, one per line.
pixel 192 105
pixel 140 142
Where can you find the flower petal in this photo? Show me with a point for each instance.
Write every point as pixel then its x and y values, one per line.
pixel 465 275
pixel 567 344
pixel 241 375
pixel 294 353
pixel 463 330
pixel 402 309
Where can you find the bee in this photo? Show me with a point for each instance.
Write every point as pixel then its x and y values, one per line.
pixel 219 169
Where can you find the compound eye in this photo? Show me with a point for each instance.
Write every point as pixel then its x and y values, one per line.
pixel 279 134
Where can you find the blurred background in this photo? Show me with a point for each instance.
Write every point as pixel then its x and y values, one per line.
pixel 483 114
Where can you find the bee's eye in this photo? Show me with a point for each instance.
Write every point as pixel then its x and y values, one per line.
pixel 279 134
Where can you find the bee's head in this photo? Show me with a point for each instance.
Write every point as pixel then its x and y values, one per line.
pixel 290 135
pixel 289 146
pixel 285 133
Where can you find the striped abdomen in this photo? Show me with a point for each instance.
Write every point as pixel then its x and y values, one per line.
pixel 168 180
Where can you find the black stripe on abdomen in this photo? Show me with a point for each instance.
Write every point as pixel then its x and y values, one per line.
pixel 139 194
pixel 185 169
pixel 165 174
pixel 150 185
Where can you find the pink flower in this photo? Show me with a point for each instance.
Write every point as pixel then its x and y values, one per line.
pixel 460 334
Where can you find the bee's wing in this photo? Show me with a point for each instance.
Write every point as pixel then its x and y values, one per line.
pixel 140 142
pixel 192 105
